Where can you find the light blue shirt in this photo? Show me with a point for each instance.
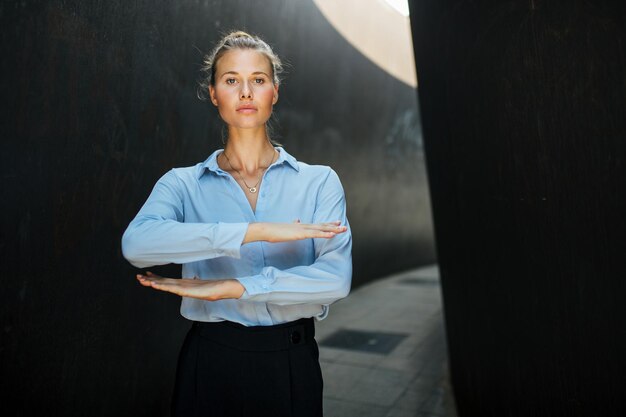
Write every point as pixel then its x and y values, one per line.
pixel 198 216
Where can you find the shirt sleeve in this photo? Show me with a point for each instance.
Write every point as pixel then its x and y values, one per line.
pixel 158 235
pixel 328 279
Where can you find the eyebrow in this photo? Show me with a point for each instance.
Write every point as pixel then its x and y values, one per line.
pixel 236 73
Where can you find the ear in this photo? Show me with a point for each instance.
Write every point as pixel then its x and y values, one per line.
pixel 212 95
pixel 275 99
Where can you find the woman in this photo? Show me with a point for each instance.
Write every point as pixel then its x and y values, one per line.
pixel 265 247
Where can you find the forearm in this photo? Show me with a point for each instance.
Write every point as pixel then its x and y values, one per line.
pixel 325 280
pixel 320 283
pixel 160 235
pixel 149 241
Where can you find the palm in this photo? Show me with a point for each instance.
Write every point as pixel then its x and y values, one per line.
pixel 185 287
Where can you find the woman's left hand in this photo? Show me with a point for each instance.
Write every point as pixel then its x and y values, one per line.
pixel 210 290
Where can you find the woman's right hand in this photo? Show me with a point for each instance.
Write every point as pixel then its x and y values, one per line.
pixel 285 232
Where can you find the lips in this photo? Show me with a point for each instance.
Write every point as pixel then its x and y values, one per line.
pixel 246 108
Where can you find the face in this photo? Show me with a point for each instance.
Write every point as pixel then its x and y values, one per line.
pixel 244 92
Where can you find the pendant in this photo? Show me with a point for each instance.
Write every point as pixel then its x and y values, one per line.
pixel 252 190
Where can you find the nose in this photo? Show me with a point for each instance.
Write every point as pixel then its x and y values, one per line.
pixel 246 90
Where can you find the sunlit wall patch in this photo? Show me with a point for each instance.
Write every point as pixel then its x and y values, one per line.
pixel 402 6
pixel 379 29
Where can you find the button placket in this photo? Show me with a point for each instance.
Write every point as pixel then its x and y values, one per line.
pixel 264 184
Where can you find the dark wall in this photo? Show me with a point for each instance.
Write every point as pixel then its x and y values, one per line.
pixel 99 100
pixel 522 104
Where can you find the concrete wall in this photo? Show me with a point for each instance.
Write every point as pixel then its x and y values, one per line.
pixel 98 102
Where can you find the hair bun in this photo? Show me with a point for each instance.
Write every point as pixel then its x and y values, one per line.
pixel 239 34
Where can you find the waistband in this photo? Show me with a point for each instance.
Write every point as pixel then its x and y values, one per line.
pixel 258 338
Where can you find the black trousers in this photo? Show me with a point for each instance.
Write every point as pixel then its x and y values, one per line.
pixel 228 370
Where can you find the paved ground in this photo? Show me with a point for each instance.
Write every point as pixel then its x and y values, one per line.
pixel 383 350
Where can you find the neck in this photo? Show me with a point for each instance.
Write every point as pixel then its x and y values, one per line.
pixel 249 151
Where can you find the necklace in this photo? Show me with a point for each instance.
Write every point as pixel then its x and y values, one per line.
pixel 252 189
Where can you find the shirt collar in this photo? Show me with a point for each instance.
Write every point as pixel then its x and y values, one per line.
pixel 284 156
pixel 211 162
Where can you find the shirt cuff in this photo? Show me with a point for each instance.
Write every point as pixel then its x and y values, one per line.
pixel 255 285
pixel 229 237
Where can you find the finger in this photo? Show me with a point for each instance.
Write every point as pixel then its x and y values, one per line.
pixel 167 287
pixel 164 288
pixel 323 235
pixel 143 281
pixel 334 223
pixel 330 224
pixel 329 228
pixel 168 281
pixel 297 221
pixel 145 278
pixel 160 280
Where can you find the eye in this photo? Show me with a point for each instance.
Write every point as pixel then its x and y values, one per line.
pixel 230 81
pixel 259 80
